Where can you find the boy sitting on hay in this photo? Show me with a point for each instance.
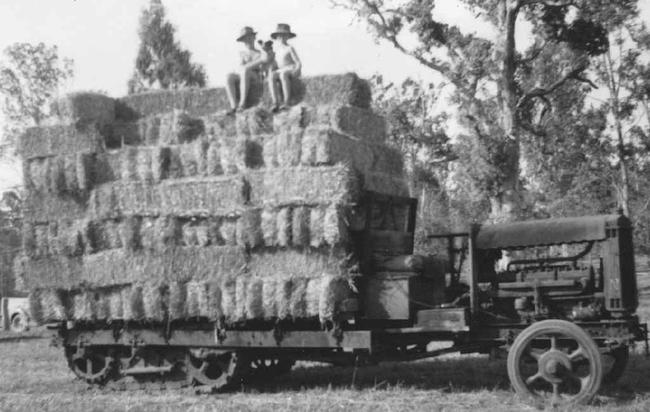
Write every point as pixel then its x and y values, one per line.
pixel 251 71
pixel 288 67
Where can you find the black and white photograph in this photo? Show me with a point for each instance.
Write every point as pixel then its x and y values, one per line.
pixel 324 205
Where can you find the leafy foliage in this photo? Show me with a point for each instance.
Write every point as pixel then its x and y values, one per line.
pixel 503 102
pixel 30 77
pixel 161 61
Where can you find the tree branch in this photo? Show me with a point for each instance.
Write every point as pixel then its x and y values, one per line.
pixel 539 92
pixel 550 3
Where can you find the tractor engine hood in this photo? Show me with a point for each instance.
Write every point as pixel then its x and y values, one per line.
pixel 548 232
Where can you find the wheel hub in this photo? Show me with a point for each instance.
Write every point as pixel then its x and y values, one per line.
pixel 552 365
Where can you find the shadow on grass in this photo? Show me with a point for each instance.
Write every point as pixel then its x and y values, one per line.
pixel 451 374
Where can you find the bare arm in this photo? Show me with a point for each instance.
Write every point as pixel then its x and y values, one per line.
pixel 295 58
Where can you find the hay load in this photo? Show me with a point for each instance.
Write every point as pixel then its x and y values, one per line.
pixel 159 206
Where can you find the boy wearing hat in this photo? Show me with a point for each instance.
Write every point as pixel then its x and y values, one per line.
pixel 288 66
pixel 252 63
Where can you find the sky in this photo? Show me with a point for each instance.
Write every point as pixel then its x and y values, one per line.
pixel 101 36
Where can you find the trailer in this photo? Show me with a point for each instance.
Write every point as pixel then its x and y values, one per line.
pixel 559 295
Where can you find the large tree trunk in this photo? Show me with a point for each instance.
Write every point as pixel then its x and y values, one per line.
pixel 506 203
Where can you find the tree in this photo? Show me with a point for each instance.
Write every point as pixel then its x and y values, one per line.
pixel 30 77
pixel 626 79
pixel 161 61
pixel 417 130
pixel 497 106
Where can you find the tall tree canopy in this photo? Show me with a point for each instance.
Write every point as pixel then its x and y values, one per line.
pixel 30 77
pixel 161 62
pixel 502 100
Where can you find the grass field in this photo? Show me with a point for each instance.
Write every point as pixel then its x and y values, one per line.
pixel 34 377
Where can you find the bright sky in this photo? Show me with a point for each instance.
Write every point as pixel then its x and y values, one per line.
pixel 101 35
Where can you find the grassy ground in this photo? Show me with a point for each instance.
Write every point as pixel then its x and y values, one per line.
pixel 34 377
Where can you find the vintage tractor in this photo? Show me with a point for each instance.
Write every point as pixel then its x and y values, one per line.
pixel 559 295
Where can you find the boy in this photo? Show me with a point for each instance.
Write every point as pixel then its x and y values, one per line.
pixel 288 67
pixel 252 63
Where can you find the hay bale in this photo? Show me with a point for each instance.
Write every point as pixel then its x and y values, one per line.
pixel 37 174
pixel 283 289
pixel 105 167
pixel 123 133
pixel 192 301
pixel 312 297
pixel 214 303
pixel 202 237
pixel 300 226
pixel 241 287
pixel 29 239
pixel 194 102
pixel 272 264
pixel 136 302
pixel 46 141
pixel 83 306
pixel 84 170
pixel 56 173
pixel 129 233
pixel 187 128
pixel 322 146
pixel 270 152
pixel 352 121
pixel 288 146
pixel 335 226
pixel 102 305
pixel 213 159
pixel 305 186
pixel 213 196
pixel 345 89
pixel 254 122
pixel 34 301
pixel 189 234
pixel 298 302
pixel 129 163
pixel 269 226
pixel 127 314
pixel 41 240
pixel 213 231
pixel 232 150
pixel 84 108
pixel 160 163
pixel 269 301
pixel 284 221
pixel 152 302
pixel 115 304
pixel 228 231
pixel 254 299
pixel 229 299
pixel 334 290
pixel 148 235
pixel 248 229
pixel 168 230
pixel 317 226
pixel 177 300
pixel 53 304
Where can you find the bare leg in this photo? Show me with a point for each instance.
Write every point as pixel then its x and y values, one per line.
pixel 244 85
pixel 285 78
pixel 273 87
pixel 231 89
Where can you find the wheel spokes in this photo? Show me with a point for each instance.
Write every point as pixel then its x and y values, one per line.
pixel 533 378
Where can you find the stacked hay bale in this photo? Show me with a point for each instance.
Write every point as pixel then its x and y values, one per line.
pixel 159 206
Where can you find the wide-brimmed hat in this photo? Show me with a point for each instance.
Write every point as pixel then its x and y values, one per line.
pixel 283 29
pixel 245 32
